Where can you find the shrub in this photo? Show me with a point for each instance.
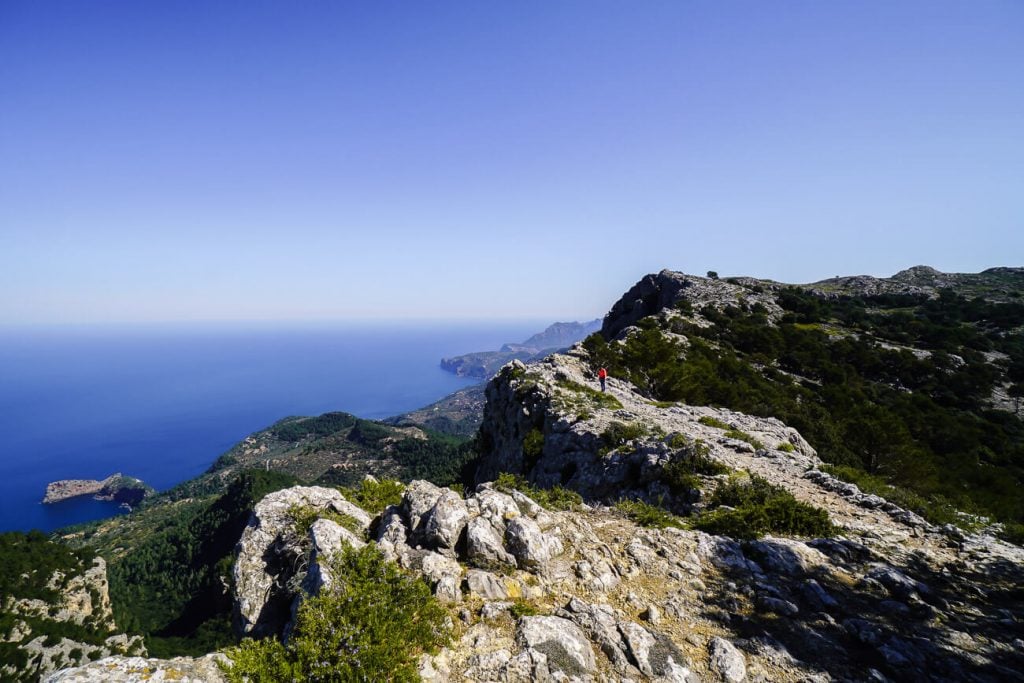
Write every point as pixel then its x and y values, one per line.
pixel 554 498
pixel 713 422
pixel 785 447
pixel 743 436
pixel 760 507
pixel 373 496
pixel 680 474
pixel 303 517
pixel 372 625
pixel 532 446
pixel 648 515
pixel 522 608
pixel 618 433
pixel 1013 533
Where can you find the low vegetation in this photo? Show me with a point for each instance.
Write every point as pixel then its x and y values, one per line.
pixel 554 498
pixel 370 626
pixel 645 514
pixel 373 495
pixel 898 388
pixel 749 507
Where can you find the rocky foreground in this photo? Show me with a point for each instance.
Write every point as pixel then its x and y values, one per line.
pixel 588 595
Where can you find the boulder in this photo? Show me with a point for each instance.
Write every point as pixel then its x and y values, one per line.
pixel 417 501
pixel 134 669
pixel 528 544
pixel 727 661
pixel 561 641
pixel 483 545
pixel 444 523
pixel 268 552
pixel 654 654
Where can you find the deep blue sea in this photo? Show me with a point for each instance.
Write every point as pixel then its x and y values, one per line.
pixel 161 403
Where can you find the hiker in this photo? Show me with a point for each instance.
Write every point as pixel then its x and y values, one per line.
pixel 602 375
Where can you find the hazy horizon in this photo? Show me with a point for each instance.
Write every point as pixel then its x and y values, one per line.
pixel 322 162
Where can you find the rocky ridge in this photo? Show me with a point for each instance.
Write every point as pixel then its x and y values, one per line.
pixel 890 597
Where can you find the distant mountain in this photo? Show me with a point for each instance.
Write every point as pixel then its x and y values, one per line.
pixel 556 337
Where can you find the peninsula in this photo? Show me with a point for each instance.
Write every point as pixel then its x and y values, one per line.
pixel 116 487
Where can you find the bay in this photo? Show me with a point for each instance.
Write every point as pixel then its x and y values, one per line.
pixel 162 402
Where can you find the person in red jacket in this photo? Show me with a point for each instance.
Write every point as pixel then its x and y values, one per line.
pixel 602 375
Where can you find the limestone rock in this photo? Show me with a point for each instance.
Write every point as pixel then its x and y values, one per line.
pixel 727 661
pixel 139 669
pixel 417 501
pixel 528 544
pixel 444 523
pixel 484 547
pixel 267 552
pixel 561 641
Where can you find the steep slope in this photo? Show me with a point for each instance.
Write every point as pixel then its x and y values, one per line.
pixel 898 383
pixel 55 608
pixel 580 591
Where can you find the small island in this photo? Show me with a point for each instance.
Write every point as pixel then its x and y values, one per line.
pixel 117 488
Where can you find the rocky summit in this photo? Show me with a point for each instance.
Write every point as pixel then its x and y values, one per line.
pixel 632 535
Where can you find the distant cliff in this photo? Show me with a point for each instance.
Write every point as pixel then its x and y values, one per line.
pixel 483 364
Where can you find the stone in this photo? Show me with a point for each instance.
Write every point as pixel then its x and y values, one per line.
pixel 135 669
pixel 728 662
pixel 778 606
pixel 495 610
pixel 486 585
pixel 601 626
pixel 561 641
pixel 418 500
pixel 329 538
pixel 528 544
pixel 444 523
pixel 268 553
pixel 654 654
pixel 484 547
pixel 899 585
pixel 817 596
pixel 786 556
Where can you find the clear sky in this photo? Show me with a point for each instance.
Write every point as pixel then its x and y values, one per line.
pixel 323 160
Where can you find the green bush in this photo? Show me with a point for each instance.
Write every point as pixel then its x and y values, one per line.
pixel 743 436
pixel 371 626
pixel 374 496
pixel 648 515
pixel 760 507
pixel 680 474
pixel 533 447
pixel 713 422
pixel 785 447
pixel 617 434
pixel 554 498
pixel 1013 533
pixel 303 517
pixel 522 608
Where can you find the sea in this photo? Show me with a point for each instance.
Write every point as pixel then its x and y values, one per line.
pixel 162 402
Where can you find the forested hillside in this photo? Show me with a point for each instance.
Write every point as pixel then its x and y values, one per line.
pixel 920 390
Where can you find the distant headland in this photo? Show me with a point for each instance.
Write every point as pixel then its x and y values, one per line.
pixel 117 488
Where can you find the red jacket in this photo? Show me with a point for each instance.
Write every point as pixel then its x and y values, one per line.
pixel 602 373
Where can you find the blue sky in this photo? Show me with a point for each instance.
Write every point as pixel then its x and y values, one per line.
pixel 328 160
